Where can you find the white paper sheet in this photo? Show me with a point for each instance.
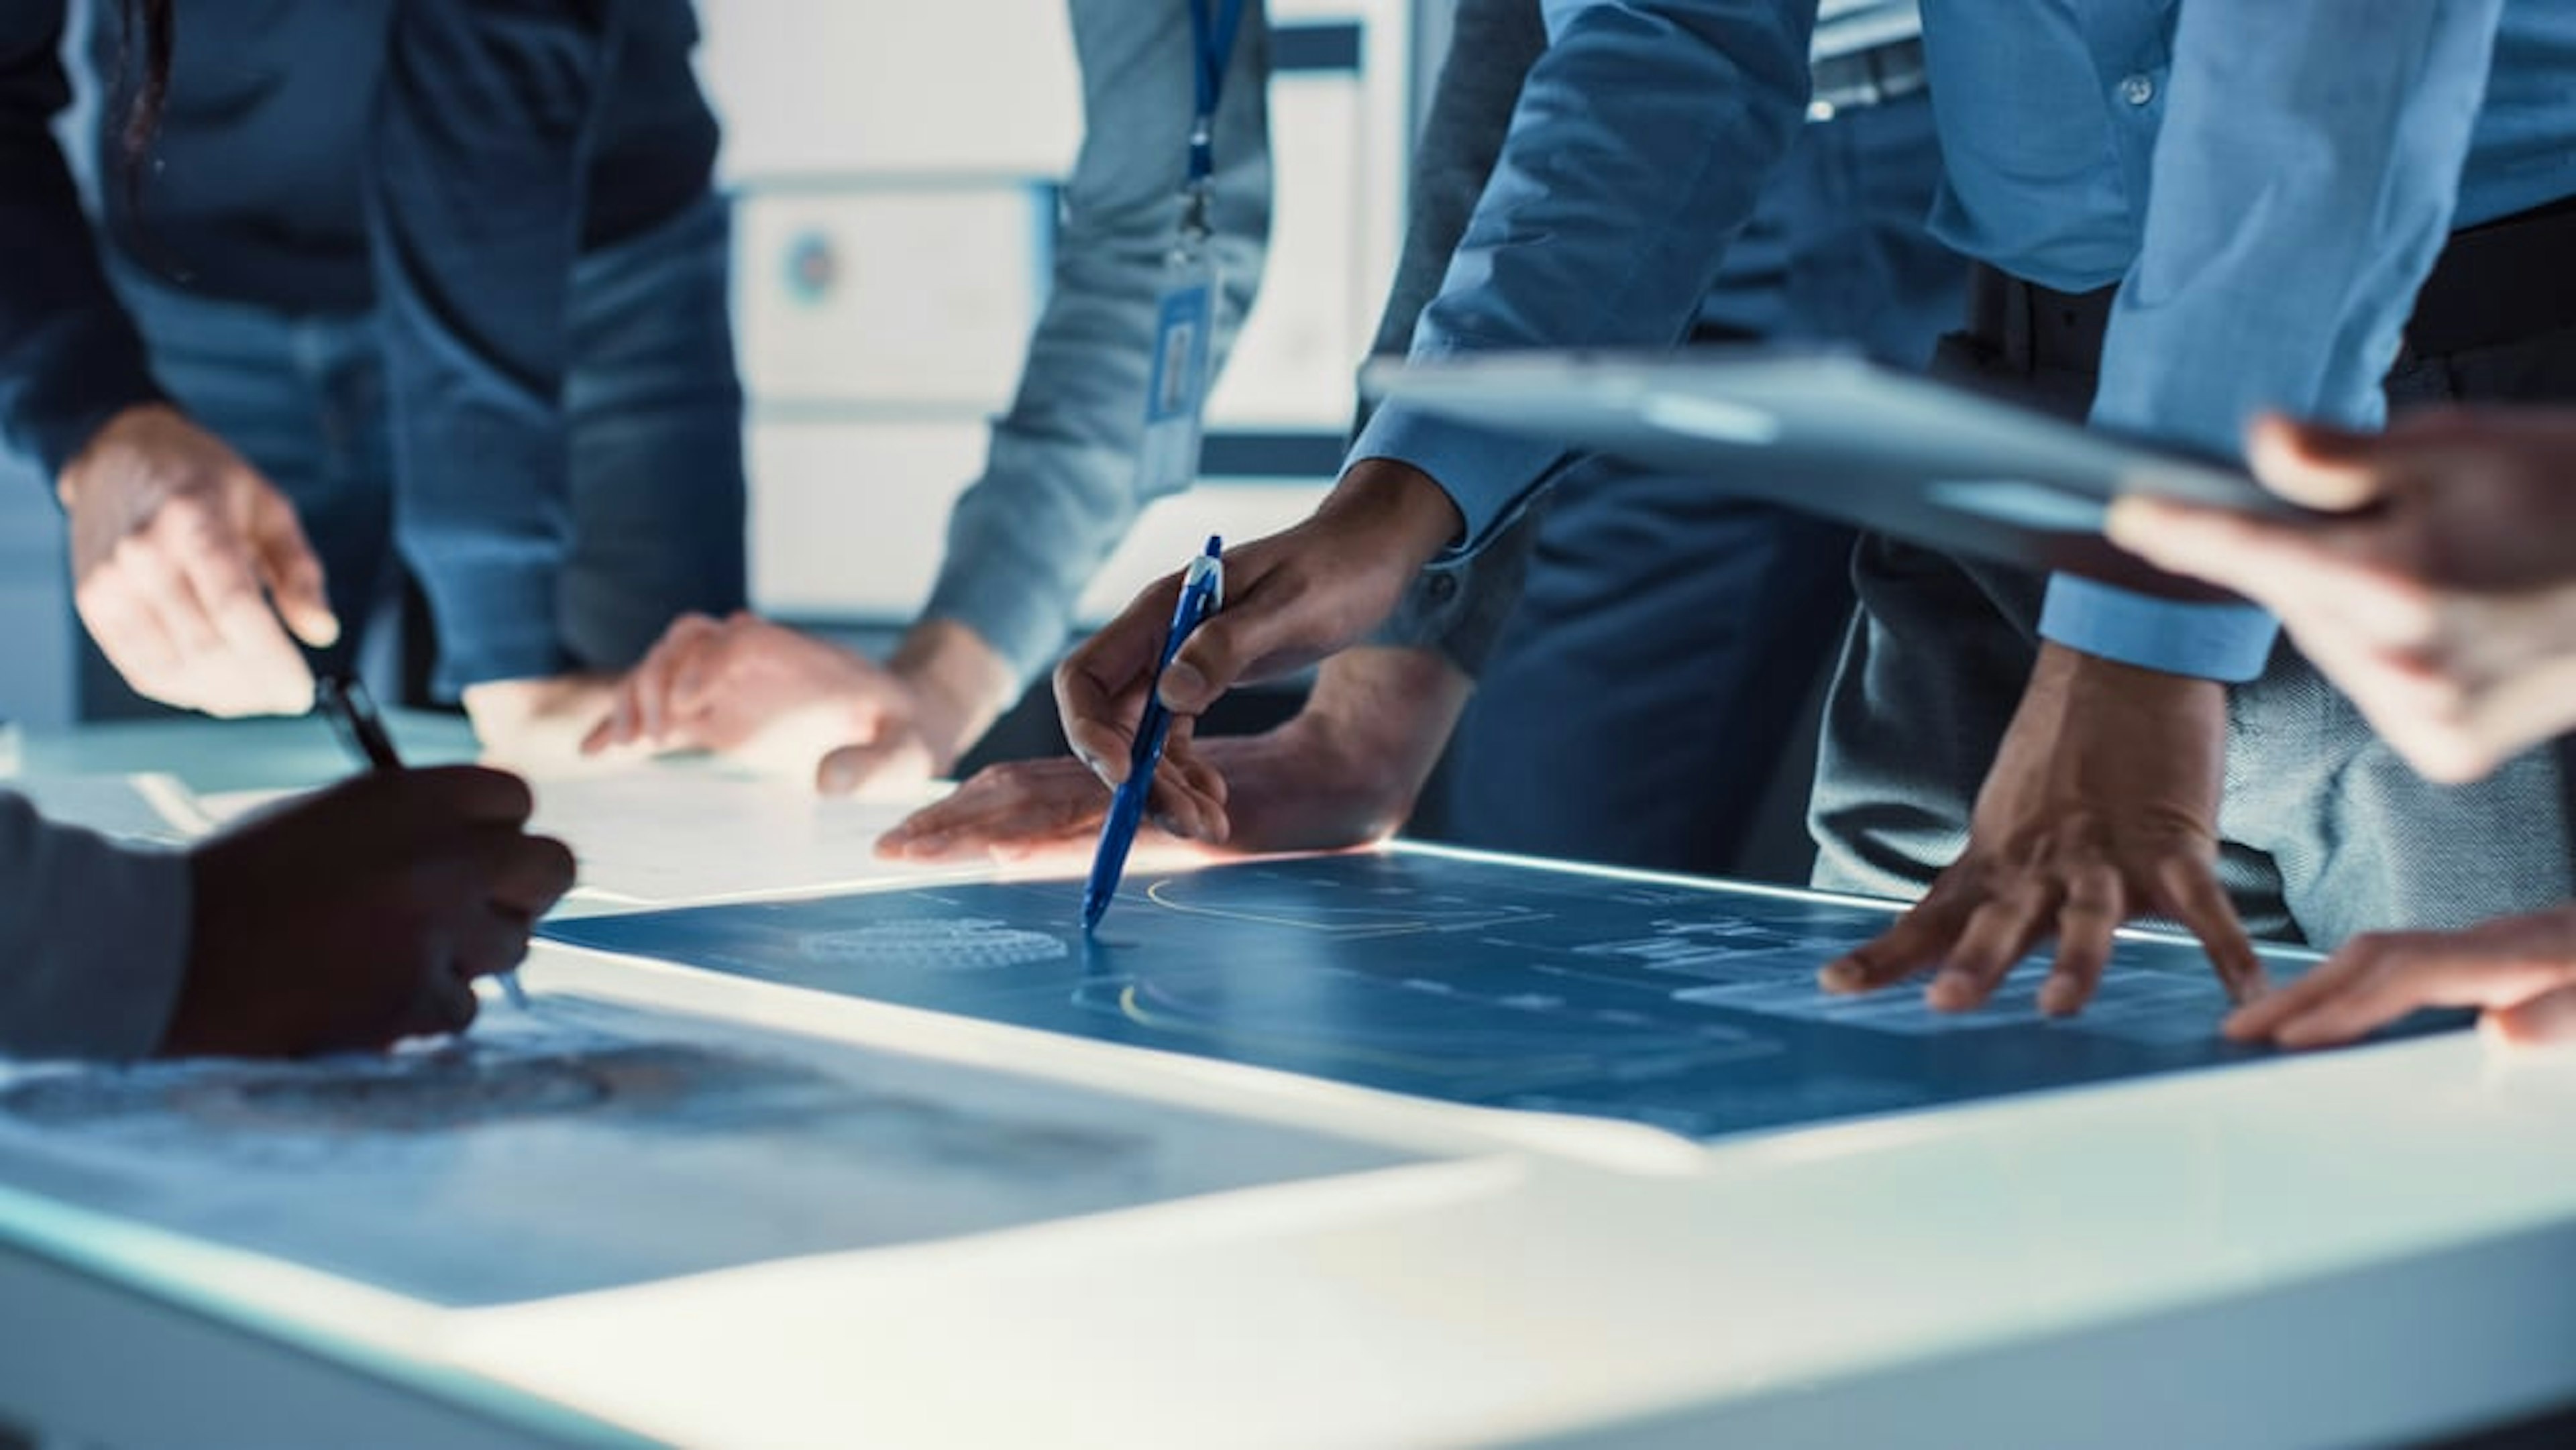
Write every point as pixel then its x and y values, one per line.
pixel 583 1145
pixel 669 834
pixel 156 809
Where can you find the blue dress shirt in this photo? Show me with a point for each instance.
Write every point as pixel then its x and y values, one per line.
pixel 2306 158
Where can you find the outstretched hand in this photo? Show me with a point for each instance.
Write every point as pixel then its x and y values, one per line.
pixel 2441 592
pixel 780 698
pixel 1343 772
pixel 2102 805
pixel 2521 969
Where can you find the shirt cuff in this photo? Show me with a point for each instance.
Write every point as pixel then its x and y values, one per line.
pixel 1489 476
pixel 2228 642
pixel 108 953
pixel 67 391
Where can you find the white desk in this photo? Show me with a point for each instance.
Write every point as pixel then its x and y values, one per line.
pixel 2372 1247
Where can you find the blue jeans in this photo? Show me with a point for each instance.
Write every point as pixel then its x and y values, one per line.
pixel 1641 697
pixel 652 405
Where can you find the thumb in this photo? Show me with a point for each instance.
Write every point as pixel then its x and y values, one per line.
pixel 853 768
pixel 291 570
pixel 2333 470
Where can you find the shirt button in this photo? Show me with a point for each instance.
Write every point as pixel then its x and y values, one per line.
pixel 2137 90
pixel 1444 587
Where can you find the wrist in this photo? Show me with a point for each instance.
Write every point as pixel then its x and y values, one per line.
pixel 1383 714
pixel 959 683
pixel 1397 503
pixel 95 456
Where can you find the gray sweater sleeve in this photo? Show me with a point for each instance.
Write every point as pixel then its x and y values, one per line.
pixel 1060 486
pixel 93 940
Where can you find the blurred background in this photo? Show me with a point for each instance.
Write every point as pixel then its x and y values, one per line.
pixel 893 169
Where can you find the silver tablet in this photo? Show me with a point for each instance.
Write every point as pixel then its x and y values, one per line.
pixel 1835 434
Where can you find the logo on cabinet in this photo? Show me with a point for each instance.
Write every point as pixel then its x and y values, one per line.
pixel 813 268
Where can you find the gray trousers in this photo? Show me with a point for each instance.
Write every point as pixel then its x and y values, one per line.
pixel 2324 831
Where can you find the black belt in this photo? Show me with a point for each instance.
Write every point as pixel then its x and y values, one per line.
pixel 2496 283
pixel 1865 78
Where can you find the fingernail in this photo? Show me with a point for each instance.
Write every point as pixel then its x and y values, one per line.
pixel 1951 992
pixel 2058 997
pixel 1839 977
pixel 1183 685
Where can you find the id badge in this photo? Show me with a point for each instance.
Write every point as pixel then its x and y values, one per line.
pixel 1176 390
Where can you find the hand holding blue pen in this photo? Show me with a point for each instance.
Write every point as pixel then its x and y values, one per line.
pixel 1202 594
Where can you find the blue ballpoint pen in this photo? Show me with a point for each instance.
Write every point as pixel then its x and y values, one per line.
pixel 1202 593
pixel 352 708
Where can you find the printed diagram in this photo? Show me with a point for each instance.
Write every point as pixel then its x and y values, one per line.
pixel 1381 911
pixel 611 1145
pixel 1418 1028
pixel 971 944
pixel 1474 980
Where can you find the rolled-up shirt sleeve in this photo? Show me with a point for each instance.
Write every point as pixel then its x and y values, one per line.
pixel 70 359
pixel 93 940
pixel 2302 193
pixel 1642 140
pixel 1061 486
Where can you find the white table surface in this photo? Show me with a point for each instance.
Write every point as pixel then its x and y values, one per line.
pixel 2367 1247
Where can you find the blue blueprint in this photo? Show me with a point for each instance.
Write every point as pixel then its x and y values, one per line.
pixel 1470 980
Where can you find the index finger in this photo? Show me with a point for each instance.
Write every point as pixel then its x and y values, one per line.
pixel 469 794
pixel 1100 687
pixel 2196 900
pixel 275 677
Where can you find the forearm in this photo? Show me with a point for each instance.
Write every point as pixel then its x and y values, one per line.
pixel 2302 193
pixel 1061 487
pixel 1641 141
pixel 93 940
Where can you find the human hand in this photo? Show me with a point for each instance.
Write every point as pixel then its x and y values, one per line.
pixel 2443 601
pixel 2102 804
pixel 536 723
pixel 1343 772
pixel 361 916
pixel 1290 600
pixel 179 550
pixel 2521 969
pixel 769 694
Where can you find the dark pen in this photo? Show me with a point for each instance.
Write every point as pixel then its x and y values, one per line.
pixel 351 708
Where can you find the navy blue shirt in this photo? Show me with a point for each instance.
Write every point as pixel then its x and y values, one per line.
pixel 443 161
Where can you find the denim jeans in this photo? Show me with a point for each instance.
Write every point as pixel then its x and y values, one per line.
pixel 652 405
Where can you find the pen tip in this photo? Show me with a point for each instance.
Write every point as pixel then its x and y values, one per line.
pixel 1215 546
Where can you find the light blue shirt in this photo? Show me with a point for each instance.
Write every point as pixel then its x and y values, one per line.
pixel 2306 157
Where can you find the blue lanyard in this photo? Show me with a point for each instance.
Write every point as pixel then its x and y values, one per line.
pixel 1212 33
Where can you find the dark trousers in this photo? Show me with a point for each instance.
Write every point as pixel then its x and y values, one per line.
pixel 1639 703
